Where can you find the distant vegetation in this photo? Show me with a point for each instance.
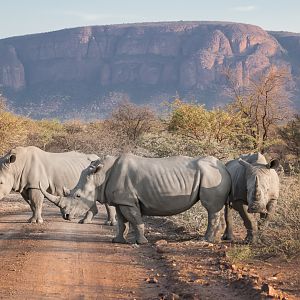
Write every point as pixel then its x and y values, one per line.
pixel 257 119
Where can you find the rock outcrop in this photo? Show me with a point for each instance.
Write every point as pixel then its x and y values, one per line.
pixel 145 63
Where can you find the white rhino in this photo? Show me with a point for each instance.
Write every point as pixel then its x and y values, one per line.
pixel 23 168
pixel 139 186
pixel 255 189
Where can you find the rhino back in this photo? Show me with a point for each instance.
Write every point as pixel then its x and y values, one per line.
pixel 53 170
pixel 163 186
pixel 254 158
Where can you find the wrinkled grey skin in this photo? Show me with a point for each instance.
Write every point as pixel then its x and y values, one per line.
pixel 255 189
pixel 139 186
pixel 93 210
pixel 23 168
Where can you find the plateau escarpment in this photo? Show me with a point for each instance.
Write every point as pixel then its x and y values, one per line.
pixel 88 69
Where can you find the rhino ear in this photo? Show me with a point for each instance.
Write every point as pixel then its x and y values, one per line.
pixel 244 163
pixel 273 164
pixel 11 159
pixel 99 167
pixel 95 163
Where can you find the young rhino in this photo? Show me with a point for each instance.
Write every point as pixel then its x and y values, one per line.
pixel 89 207
pixel 139 186
pixel 255 189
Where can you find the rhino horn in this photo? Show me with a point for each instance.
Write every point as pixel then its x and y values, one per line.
pixel 50 197
pixel 244 163
pixel 256 183
pixel 66 191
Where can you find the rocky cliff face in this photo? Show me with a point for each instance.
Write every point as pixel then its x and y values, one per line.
pixel 90 68
pixel 12 70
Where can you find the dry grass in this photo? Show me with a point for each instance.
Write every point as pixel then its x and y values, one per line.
pixel 194 219
pixel 282 236
pixel 238 253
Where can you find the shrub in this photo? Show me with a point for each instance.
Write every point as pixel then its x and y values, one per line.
pixel 14 130
pixel 214 126
pixel 131 121
pixel 43 132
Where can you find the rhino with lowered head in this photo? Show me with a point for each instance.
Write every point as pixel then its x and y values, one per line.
pixel 255 189
pixel 23 168
pixel 139 186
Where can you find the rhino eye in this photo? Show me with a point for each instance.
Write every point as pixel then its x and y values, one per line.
pixel 78 196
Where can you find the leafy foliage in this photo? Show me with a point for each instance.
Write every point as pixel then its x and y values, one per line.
pixel 208 127
pixel 14 130
pixel 44 132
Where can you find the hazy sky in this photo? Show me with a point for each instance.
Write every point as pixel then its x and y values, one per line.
pixel 18 17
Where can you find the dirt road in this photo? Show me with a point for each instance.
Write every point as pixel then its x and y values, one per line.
pixel 66 260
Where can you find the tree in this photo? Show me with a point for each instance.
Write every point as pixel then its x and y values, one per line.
pixel 131 121
pixel 264 103
pixel 196 122
pixel 290 134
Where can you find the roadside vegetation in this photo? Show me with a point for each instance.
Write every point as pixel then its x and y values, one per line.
pixel 259 118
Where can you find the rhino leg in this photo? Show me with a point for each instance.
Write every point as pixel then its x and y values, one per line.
pixel 36 198
pixel 133 215
pixel 122 228
pixel 248 219
pixel 90 215
pixel 228 234
pixel 111 215
pixel 212 226
pixel 26 198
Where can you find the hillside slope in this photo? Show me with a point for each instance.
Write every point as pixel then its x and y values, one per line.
pixel 84 71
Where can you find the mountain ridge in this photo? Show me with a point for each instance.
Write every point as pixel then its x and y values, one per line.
pixel 87 70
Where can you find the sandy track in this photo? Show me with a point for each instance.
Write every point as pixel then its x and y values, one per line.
pixel 65 260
